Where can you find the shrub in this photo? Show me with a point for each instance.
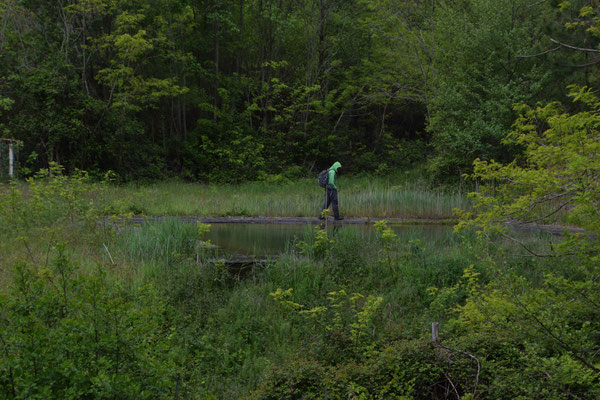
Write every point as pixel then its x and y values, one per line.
pixel 70 336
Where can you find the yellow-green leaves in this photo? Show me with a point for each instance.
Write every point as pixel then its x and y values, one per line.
pixel 564 5
pixel 386 234
pixel 129 50
pixel 350 314
pixel 586 11
pixel 556 179
pixel 320 245
pixel 387 237
pixel 130 47
pixel 281 296
pixel 202 229
pixel 322 242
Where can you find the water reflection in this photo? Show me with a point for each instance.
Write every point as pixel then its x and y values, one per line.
pixel 272 239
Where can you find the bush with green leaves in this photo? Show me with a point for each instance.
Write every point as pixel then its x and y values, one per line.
pixel 403 370
pixel 69 335
pixel 346 323
pixel 386 237
pixel 50 198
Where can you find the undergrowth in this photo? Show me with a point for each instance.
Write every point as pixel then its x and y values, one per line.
pixel 114 310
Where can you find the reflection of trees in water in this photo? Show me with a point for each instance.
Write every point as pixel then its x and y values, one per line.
pixel 270 239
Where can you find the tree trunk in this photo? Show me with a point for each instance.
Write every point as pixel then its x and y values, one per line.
pixel 238 60
pixel 215 103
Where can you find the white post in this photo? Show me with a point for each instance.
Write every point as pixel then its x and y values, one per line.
pixel 11 163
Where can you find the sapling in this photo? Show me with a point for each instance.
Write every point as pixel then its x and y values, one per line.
pixel 387 238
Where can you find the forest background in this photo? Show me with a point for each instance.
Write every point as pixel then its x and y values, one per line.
pixel 229 91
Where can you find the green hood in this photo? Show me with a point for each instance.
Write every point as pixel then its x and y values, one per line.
pixel 332 172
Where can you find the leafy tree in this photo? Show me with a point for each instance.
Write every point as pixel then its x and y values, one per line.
pixel 553 320
pixel 555 179
pixel 572 42
pixel 5 104
pixel 157 88
pixel 479 75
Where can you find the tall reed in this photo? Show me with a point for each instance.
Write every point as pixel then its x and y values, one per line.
pixel 358 196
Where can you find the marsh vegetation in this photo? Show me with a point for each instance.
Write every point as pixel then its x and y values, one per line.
pixel 366 196
pixel 115 311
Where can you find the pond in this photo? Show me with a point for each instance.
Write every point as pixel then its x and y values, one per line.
pixel 165 239
pixel 272 239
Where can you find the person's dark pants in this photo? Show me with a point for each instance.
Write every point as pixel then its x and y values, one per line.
pixel 331 198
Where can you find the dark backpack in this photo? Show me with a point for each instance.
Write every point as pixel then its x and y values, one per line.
pixel 323 178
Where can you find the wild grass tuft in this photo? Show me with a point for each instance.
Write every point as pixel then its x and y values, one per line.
pixel 164 241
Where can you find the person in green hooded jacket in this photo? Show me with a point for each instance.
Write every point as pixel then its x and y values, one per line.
pixel 331 192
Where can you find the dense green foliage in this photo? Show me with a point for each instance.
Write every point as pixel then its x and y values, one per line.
pixel 95 307
pixel 235 91
pixel 94 310
pixel 66 336
pixel 556 319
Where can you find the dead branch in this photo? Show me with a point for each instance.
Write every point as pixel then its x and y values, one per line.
pixel 468 355
pixel 595 62
pixel 547 215
pixel 540 54
pixel 535 4
pixel 525 247
pixel 452 384
pixel 568 46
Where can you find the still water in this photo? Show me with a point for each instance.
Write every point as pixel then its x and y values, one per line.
pixel 273 239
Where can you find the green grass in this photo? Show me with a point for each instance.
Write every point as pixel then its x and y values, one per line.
pixel 358 197
pixel 163 242
pixel 225 334
pixel 239 331
pixel 232 331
